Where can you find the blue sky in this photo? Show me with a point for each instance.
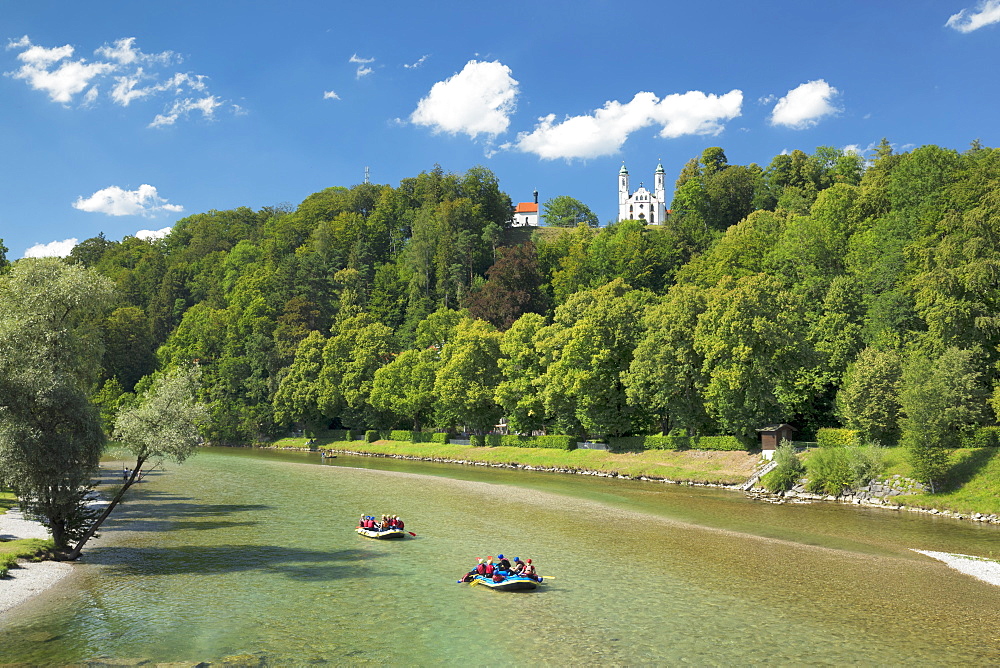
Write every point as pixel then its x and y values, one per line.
pixel 120 117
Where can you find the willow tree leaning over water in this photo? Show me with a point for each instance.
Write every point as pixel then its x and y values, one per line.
pixel 165 425
pixel 50 350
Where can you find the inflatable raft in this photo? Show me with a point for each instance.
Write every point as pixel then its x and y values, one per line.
pixel 512 583
pixel 388 533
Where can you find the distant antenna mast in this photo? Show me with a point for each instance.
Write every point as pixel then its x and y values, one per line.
pixel 366 175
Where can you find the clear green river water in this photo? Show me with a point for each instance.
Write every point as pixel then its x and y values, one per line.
pixel 253 552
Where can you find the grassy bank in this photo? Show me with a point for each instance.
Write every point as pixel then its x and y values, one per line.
pixel 35 549
pixel 11 550
pixel 700 466
pixel 973 485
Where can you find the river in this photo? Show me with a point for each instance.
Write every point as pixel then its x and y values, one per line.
pixel 252 552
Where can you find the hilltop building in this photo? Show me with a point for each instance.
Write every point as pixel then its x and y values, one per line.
pixel 642 204
pixel 525 214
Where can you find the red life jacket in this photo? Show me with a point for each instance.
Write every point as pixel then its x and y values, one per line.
pixel 399 524
pixel 481 569
pixel 489 569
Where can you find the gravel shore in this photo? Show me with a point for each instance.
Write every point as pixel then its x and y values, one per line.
pixel 31 578
pixel 987 570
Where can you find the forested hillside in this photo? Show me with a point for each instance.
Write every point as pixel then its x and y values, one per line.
pixel 818 291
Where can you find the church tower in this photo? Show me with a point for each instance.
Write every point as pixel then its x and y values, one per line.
pixel 623 192
pixel 660 186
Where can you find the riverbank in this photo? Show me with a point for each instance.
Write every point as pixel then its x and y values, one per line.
pixel 696 467
pixel 974 500
pixel 30 578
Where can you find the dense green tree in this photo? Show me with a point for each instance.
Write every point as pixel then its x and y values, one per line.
pixel 297 398
pixel 868 400
pixel 940 399
pixel 467 378
pixel 50 350
pixel 665 376
pixel 566 211
pixel 751 338
pixel 522 368
pixel 405 387
pixel 128 346
pixel 590 344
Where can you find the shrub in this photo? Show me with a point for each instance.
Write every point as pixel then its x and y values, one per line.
pixel 786 474
pixel 401 435
pixel 984 437
pixel 830 471
pixel 477 440
pixel 836 438
pixel 371 436
pixel 867 463
pixel 439 437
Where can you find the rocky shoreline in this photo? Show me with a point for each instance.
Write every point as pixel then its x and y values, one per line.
pixel 889 494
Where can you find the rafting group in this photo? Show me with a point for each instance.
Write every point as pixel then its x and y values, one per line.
pixel 387 522
pixel 504 574
pixel 390 526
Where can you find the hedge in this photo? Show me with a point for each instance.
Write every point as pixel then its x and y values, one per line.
pixel 728 443
pixel 371 436
pixel 401 436
pixel 984 437
pixel 836 438
pixel 659 442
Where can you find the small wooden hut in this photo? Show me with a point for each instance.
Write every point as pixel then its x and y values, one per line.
pixel 771 436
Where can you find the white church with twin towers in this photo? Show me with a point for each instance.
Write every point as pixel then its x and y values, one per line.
pixel 642 204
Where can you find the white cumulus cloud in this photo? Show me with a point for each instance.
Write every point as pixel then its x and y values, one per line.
pixel 987 12
pixel 52 249
pixel 604 131
pixel 477 100
pixel 115 201
pixel 149 235
pixel 330 95
pixel 805 105
pixel 131 75
pixel 53 72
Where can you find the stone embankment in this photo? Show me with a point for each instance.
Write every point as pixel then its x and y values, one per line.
pixel 889 493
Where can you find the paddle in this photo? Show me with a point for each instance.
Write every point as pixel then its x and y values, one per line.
pixel 412 534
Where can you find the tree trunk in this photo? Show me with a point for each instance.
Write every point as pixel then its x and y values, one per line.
pixel 75 553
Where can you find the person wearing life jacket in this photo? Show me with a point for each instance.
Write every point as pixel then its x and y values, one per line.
pixel 517 568
pixel 398 522
pixel 361 522
pixel 480 568
pixel 503 564
pixel 529 570
pixel 489 567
